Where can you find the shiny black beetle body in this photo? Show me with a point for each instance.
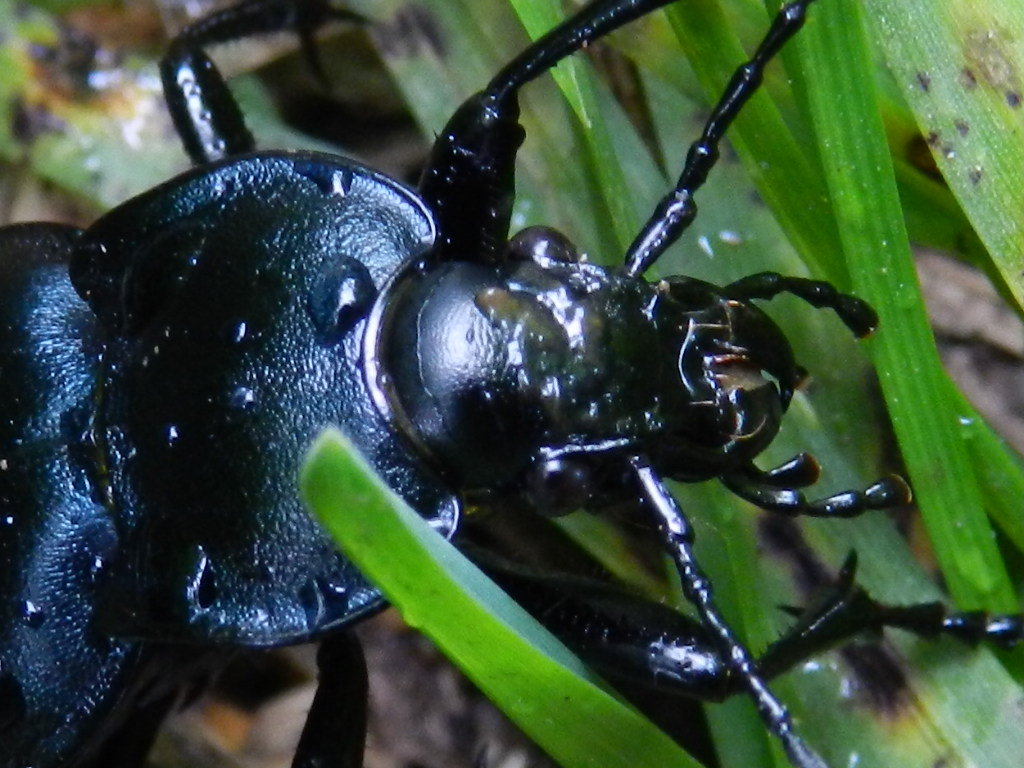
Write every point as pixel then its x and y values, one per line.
pixel 163 371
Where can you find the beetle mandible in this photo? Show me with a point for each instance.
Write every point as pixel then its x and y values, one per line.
pixel 164 369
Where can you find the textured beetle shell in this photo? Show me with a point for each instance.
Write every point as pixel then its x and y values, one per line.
pixel 234 297
pixel 59 678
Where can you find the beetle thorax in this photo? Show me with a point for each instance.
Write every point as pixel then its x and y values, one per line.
pixel 490 370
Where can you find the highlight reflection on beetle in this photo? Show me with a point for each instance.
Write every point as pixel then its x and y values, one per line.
pixel 151 361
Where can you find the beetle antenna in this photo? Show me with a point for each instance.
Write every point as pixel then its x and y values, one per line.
pixel 591 23
pixel 469 178
pixel 677 210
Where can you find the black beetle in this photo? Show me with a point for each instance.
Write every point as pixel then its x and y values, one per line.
pixel 164 370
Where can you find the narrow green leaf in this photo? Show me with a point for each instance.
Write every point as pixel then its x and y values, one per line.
pixel 959 64
pixel 843 103
pixel 531 676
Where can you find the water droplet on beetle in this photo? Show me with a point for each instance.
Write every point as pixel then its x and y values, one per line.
pixel 330 181
pixel 96 567
pixel 238 332
pixel 335 595
pixel 312 601
pixel 341 296
pixel 32 614
pixel 201 590
pixel 341 182
pixel 242 399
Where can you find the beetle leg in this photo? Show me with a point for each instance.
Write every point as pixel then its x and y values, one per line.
pixel 678 538
pixel 628 638
pixel 338 707
pixel 677 210
pixel 847 610
pixel 469 179
pixel 204 112
pixel 748 483
pixel 855 313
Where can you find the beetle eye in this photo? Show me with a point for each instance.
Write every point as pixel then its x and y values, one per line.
pixel 558 486
pixel 542 245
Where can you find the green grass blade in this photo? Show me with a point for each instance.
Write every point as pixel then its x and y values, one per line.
pixel 843 103
pixel 959 64
pixel 531 676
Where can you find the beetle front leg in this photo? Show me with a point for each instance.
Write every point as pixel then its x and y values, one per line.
pixel 626 637
pixel 846 610
pixel 204 112
pixel 678 539
pixel 339 707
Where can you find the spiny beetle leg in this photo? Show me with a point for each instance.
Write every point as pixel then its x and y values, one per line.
pixel 846 610
pixel 678 538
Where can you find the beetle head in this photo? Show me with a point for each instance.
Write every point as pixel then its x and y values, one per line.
pixel 734 376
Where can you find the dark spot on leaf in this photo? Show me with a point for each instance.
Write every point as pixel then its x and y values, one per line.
pixel 968 79
pixel 921 158
pixel 924 81
pixel 935 141
pixel 962 127
pixel 881 682
pixel 975 175
pixel 987 51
